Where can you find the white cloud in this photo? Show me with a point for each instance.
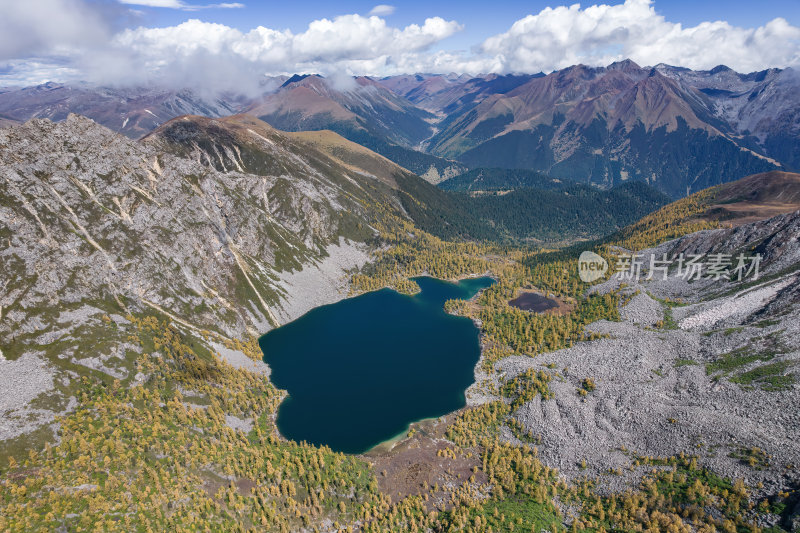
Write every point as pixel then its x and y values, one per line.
pixel 342 80
pixel 53 27
pixel 179 4
pixel 218 57
pixel 357 37
pixel 32 71
pixel 600 34
pixel 70 40
pixel 382 10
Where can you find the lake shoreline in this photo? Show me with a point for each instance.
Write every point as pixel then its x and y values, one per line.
pixel 480 376
pixel 346 422
pixel 389 444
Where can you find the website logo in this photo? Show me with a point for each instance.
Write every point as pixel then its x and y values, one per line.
pixel 591 267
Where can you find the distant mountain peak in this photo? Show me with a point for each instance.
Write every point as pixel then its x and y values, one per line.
pixel 46 86
pixel 297 78
pixel 720 68
pixel 626 65
pixel 601 125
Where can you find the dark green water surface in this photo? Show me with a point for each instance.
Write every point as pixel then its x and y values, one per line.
pixel 361 370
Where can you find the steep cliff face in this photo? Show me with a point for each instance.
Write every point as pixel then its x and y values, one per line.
pixel 763 107
pixel 136 222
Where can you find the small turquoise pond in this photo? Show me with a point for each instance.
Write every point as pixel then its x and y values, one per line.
pixel 359 371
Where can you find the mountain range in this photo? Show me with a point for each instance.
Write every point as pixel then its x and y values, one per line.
pixel 138 273
pixel 133 112
pixel 677 129
pixel 623 122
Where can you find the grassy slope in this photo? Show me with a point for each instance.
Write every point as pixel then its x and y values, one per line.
pixel 752 198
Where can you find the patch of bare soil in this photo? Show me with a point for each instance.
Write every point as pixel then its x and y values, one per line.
pixel 214 482
pixel 425 463
pixel 755 198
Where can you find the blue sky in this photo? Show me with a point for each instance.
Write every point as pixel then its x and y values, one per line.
pixel 481 19
pixel 238 43
pixel 480 15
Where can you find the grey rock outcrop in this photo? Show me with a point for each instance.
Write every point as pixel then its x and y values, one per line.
pixel 720 380
pixel 228 233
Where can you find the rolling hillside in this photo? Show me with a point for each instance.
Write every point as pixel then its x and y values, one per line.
pixel 732 204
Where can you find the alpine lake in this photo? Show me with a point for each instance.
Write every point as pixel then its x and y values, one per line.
pixel 358 372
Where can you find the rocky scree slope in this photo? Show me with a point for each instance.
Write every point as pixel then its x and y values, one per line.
pixel 708 368
pixel 235 143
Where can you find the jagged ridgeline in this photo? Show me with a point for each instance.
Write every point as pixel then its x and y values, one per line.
pixel 668 126
pixel 133 224
pixel 680 130
pixel 573 211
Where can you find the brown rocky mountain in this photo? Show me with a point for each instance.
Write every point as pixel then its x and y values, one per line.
pixel 763 107
pixel 361 110
pixel 676 129
pixel 445 94
pixel 130 111
pixel 603 126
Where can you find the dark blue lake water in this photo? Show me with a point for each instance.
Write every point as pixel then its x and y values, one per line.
pixel 359 371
